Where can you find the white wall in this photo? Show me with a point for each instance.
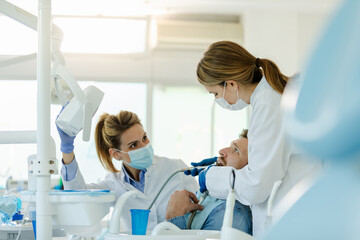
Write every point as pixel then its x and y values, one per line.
pixel 284 37
pixel 170 66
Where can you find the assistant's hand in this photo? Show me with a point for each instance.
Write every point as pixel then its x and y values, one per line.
pixel 67 142
pixel 202 180
pixel 182 202
pixel 205 162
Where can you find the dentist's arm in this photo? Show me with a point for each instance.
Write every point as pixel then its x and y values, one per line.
pixel 68 157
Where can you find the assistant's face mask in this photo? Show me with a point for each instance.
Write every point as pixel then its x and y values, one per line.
pixel 141 158
pixel 240 104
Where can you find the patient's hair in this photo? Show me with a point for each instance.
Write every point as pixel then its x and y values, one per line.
pixel 244 133
pixel 108 134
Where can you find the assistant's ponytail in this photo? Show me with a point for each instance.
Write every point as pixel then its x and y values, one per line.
pixel 225 60
pixel 272 73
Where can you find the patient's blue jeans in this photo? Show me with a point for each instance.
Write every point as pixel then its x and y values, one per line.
pixel 242 219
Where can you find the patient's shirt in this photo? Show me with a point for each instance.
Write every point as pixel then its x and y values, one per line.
pixel 212 216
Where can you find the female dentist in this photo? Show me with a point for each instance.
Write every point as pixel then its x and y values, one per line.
pixel 122 137
pixel 237 79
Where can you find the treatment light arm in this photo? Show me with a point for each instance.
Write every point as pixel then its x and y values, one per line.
pixel 86 105
pixel 30 20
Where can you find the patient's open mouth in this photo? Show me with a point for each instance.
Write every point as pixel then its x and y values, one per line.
pixel 220 161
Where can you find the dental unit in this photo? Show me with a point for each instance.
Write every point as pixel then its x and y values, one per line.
pixel 56 208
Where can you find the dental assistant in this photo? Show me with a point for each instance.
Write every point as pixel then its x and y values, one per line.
pixel 238 79
pixel 122 137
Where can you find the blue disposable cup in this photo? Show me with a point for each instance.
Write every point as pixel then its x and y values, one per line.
pixel 34 228
pixel 139 221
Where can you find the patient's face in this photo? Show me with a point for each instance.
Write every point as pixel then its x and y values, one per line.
pixel 236 155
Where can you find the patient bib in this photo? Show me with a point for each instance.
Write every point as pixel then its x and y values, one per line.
pixel 200 217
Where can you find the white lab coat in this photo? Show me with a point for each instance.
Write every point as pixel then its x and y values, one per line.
pixel 155 176
pixel 271 157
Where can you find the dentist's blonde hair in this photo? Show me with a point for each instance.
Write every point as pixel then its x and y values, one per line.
pixel 108 134
pixel 226 60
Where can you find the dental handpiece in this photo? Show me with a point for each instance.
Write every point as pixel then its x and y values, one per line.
pixel 191 168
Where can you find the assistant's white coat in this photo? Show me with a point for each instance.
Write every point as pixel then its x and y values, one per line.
pixel 271 158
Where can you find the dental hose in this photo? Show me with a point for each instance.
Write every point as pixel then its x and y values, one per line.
pixel 201 200
pixel 162 187
pixel 167 180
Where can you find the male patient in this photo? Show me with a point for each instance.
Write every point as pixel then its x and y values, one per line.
pixel 212 211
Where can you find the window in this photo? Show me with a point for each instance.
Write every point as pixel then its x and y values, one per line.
pixel 102 35
pixel 81 35
pixel 227 126
pixel 18 107
pixel 12 40
pixel 182 124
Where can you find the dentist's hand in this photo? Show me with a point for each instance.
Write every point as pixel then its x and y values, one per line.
pixel 67 142
pixel 202 180
pixel 182 202
pixel 205 162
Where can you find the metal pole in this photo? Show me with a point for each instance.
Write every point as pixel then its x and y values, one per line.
pixel 43 217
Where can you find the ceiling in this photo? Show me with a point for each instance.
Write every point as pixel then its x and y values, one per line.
pixel 169 7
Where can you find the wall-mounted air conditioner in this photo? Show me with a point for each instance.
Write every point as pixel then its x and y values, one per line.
pixel 196 31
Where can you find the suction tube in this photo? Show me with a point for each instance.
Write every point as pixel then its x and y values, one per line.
pixel 201 200
pixel 162 187
pixel 167 180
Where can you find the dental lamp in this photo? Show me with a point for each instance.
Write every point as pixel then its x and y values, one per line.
pixel 77 113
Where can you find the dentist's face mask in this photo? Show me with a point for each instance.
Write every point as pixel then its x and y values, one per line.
pixel 240 104
pixel 141 158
